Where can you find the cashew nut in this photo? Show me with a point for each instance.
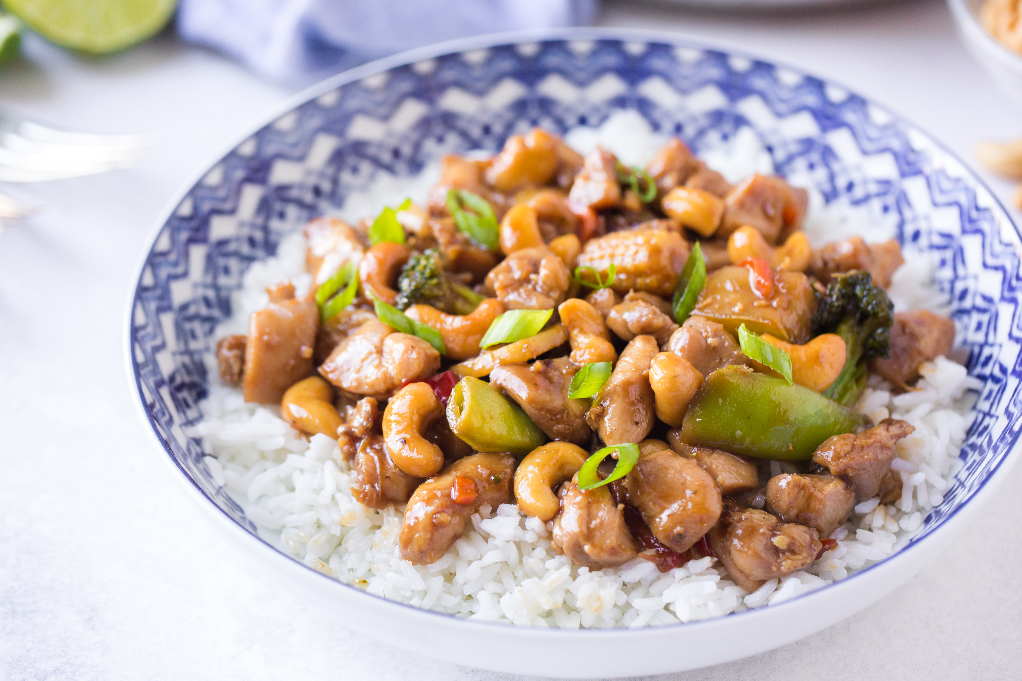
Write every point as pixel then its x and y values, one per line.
pixel 748 242
pixel 697 209
pixel 587 332
pixel 543 469
pixel 461 333
pixel 567 247
pixel 519 229
pixel 407 416
pixel 674 381
pixel 552 206
pixel 1003 159
pixel 528 160
pixel 380 267
pixel 308 406
pixel 816 364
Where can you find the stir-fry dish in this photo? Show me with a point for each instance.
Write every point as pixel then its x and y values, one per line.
pixel 625 353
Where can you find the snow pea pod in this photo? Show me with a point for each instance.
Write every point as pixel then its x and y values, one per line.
pixel 748 413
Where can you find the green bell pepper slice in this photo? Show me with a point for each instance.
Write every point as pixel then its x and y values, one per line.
pixel 482 416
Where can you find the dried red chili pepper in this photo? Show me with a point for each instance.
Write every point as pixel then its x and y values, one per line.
pixel 464 490
pixel 760 277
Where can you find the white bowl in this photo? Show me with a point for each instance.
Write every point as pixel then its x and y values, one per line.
pixel 399 114
pixel 1003 64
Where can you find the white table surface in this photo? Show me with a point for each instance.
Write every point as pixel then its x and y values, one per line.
pixel 108 571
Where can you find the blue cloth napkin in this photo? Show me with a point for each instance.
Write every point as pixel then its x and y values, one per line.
pixel 300 40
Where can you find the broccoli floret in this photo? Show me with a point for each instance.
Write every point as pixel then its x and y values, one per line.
pixel 424 280
pixel 859 311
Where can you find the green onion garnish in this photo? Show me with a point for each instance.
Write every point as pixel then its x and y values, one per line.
pixel 690 284
pixel 474 216
pixel 632 176
pixel 600 283
pixel 330 304
pixel 399 321
pixel 758 349
pixel 386 227
pixel 627 455
pixel 514 325
pixel 589 379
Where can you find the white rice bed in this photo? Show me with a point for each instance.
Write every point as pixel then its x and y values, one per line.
pixel 504 568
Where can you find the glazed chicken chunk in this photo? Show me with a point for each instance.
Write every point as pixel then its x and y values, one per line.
pixel 591 529
pixel 917 337
pixel 281 341
pixel 822 502
pixel 541 389
pixel 863 459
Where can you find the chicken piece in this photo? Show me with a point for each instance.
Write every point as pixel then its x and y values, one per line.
pixel 541 389
pixel 755 546
pixel 706 345
pixel 678 500
pixel 656 301
pixel 822 502
pixel 230 358
pixel 439 509
pixel 837 257
pixel 377 361
pixel 379 482
pixel 917 337
pixel 624 410
pixel 732 473
pixel 530 279
pixel 603 300
pixel 863 459
pixel 360 420
pixel 709 181
pixel 672 165
pixel 768 204
pixel 591 529
pixel 279 348
pixel 332 242
pixel 596 186
pixel 644 259
pixel 637 317
pixel 890 488
pixel 337 328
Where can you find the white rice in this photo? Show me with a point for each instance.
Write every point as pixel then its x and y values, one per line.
pixel 504 568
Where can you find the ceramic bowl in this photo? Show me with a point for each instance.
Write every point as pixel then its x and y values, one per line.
pixel 397 115
pixel 1003 64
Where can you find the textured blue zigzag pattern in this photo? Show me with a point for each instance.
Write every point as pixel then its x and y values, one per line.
pixel 185 287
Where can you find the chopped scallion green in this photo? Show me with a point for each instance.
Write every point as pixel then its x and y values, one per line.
pixel 599 282
pixel 758 349
pixel 589 379
pixel 386 227
pixel 632 176
pixel 330 304
pixel 474 216
pixel 514 325
pixel 627 456
pixel 399 321
pixel 690 284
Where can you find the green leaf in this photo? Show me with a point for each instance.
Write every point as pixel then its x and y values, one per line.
pixel 627 456
pixel 330 304
pixel 758 349
pixel 474 216
pixel 690 284
pixel 600 283
pixel 515 325
pixel 386 227
pixel 399 321
pixel 589 379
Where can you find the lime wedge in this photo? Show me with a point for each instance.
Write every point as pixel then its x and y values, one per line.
pixel 96 26
pixel 10 37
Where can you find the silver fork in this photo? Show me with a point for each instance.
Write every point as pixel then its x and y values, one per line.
pixel 31 152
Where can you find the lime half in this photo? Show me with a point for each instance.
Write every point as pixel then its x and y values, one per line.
pixel 97 26
pixel 10 37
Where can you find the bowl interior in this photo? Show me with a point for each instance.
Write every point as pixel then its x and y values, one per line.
pixel 886 176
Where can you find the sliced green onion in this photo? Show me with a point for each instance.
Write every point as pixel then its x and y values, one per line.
pixel 10 37
pixel 515 325
pixel 386 227
pixel 600 283
pixel 632 176
pixel 758 349
pixel 627 455
pixel 474 216
pixel 690 284
pixel 330 304
pixel 589 379
pixel 399 321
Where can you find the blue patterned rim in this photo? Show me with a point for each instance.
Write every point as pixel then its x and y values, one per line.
pixel 398 114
